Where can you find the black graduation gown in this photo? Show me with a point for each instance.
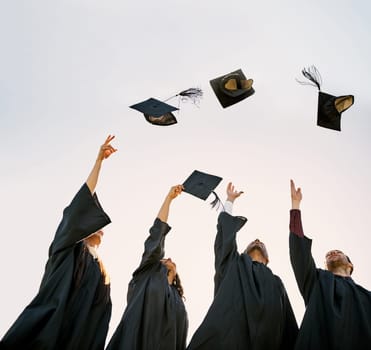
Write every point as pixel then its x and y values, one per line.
pixel 338 311
pixel 251 309
pixel 155 317
pixel 72 308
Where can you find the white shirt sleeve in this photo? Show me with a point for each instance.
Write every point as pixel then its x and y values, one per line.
pixel 228 207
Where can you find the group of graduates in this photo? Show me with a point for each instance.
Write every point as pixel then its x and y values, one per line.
pixel 250 309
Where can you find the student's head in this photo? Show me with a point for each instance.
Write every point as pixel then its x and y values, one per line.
pixel 94 239
pixel 174 277
pixel 257 251
pixel 170 265
pixel 336 259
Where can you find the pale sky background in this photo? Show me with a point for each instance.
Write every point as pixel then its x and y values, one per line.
pixel 69 70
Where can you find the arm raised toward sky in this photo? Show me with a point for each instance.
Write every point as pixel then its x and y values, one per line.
pixel 105 152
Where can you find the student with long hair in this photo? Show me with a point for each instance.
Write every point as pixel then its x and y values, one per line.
pixel 72 308
pixel 155 317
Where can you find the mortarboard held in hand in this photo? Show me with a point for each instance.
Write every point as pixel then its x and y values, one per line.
pixel 330 107
pixel 201 185
pixel 232 88
pixel 160 113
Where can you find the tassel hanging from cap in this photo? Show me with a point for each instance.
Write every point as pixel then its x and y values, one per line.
pixel 312 74
pixel 193 94
pixel 216 202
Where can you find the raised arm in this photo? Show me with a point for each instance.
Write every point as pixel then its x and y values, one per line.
pixel 300 248
pixel 225 246
pixel 154 245
pixel 105 152
pixel 84 215
pixel 174 192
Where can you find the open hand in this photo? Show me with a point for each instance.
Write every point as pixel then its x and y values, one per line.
pixel 232 194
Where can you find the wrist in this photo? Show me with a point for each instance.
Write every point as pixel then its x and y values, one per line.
pixel 168 199
pixel 295 205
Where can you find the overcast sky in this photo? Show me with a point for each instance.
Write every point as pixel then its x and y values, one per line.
pixel 70 69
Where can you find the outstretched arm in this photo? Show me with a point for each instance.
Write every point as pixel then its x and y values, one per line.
pixel 84 215
pixel 154 245
pixel 174 192
pixel 225 246
pixel 300 248
pixel 104 152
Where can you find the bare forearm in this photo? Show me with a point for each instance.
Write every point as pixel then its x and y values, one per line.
pixel 92 179
pixel 163 214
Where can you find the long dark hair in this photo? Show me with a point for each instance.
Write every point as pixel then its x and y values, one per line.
pixel 178 285
pixel 102 292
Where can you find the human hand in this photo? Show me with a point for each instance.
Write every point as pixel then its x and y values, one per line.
pixel 231 193
pixel 106 149
pixel 296 195
pixel 175 191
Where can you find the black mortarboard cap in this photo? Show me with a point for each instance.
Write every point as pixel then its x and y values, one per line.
pixel 201 185
pixel 330 107
pixel 156 112
pixel 232 88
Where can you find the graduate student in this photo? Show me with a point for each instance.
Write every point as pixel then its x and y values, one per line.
pixel 251 309
pixel 338 311
pixel 155 317
pixel 73 307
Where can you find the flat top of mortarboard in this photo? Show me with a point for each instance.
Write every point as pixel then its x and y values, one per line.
pixel 154 107
pixel 201 184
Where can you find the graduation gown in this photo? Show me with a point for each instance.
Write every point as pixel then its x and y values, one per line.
pixel 251 310
pixel 338 311
pixel 73 307
pixel 155 317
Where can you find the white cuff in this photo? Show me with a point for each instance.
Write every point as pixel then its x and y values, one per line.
pixel 228 207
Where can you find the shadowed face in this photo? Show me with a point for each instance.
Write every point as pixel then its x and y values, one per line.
pixel 94 239
pixel 258 246
pixel 170 265
pixel 337 259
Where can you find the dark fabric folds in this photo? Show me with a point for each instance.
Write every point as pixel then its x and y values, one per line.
pixel 155 317
pixel 338 311
pixel 251 309
pixel 68 312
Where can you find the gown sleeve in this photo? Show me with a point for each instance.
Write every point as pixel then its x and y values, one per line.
pixel 225 246
pixel 81 218
pixel 153 246
pixel 301 256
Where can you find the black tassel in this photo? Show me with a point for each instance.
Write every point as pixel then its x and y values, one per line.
pixel 193 94
pixel 312 74
pixel 216 202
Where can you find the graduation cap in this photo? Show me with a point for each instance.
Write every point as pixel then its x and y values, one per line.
pixel 232 88
pixel 160 113
pixel 330 107
pixel 201 185
pixel 156 112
